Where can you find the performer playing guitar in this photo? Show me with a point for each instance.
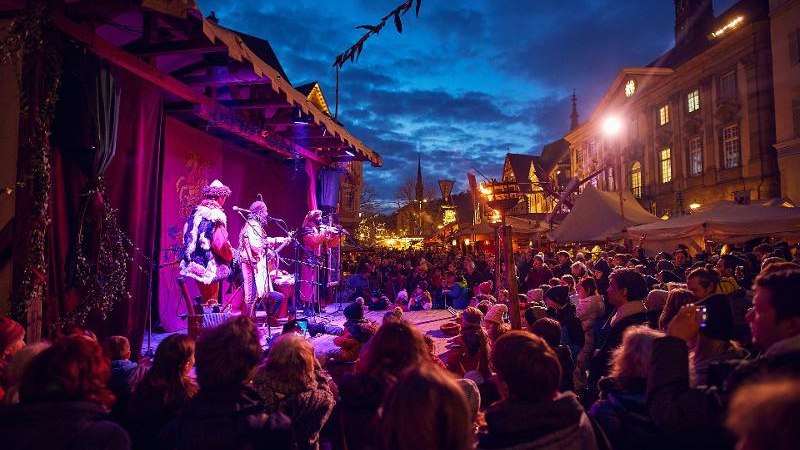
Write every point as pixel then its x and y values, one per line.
pixel 257 252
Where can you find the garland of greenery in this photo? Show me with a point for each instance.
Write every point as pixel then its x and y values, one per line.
pixel 31 34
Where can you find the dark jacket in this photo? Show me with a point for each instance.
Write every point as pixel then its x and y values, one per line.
pixel 537 277
pixel 557 424
pixel 60 425
pixel 700 412
pixel 227 420
pixel 124 375
pixel 611 338
pixel 567 367
pixel 571 328
pixel 623 415
pixel 354 421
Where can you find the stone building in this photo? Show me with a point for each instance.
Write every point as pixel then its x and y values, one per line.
pixel 695 126
pixel 785 28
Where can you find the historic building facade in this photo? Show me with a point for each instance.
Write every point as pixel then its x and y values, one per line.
pixel 696 125
pixel 785 27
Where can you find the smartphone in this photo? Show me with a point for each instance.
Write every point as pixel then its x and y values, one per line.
pixel 703 310
pixel 303 325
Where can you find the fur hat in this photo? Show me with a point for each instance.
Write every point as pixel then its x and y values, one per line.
pixel 216 189
pixel 354 311
pixel 495 313
pixel 558 294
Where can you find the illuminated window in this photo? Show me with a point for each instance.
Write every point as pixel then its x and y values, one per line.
pixel 727 85
pixel 636 179
pixel 663 115
pixel 731 147
pixel 630 88
pixel 579 155
pixel 665 162
pixel 693 100
pixel 696 156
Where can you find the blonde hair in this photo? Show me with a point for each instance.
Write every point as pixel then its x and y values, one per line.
pixel 631 360
pixel 291 359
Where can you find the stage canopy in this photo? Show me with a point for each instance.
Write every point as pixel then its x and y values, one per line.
pixel 596 217
pixel 723 221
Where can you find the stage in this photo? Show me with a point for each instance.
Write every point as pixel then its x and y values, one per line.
pixel 427 321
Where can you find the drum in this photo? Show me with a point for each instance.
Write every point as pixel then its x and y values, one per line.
pixel 285 285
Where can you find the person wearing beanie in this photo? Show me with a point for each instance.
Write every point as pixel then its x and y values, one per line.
pixel 562 310
pixel 357 331
pixel 493 322
pixel 12 340
pixel 420 299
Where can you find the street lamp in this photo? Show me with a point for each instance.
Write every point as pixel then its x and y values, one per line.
pixel 611 128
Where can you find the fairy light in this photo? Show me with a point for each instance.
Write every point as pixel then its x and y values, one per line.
pixel 728 27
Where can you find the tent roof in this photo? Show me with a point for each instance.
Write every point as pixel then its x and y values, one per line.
pixel 596 217
pixel 724 221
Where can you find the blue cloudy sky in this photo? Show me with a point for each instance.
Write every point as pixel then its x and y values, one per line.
pixel 467 81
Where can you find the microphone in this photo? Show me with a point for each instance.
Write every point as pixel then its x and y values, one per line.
pixel 237 209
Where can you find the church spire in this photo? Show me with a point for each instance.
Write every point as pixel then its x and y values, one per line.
pixel 419 178
pixel 574 115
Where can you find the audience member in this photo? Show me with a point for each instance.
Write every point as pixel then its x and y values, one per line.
pixel 163 391
pixel 763 415
pixel 676 299
pixel 124 374
pixel 565 313
pixel 64 401
pixel 426 409
pixel 17 368
pixel 533 415
pixel 589 310
pixel 12 339
pixel 550 330
pixel 291 382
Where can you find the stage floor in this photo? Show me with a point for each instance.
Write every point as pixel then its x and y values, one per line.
pixel 427 321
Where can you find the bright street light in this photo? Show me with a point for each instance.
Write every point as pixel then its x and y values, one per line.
pixel 612 125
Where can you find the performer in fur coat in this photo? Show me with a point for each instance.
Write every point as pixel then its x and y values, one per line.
pixel 207 253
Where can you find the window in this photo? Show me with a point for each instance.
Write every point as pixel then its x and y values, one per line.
pixel 579 155
pixel 634 129
pixel 591 150
pixel 665 163
pixel 727 85
pixel 693 100
pixel 663 115
pixel 350 199
pixel 731 147
pixel 636 179
pixel 696 156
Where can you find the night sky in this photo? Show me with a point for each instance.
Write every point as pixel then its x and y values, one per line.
pixel 467 81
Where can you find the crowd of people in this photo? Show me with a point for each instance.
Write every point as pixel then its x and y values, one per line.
pixel 617 350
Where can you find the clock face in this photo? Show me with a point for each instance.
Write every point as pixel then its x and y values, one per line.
pixel 630 88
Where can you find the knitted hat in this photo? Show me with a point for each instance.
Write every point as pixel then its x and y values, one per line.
pixel 473 395
pixel 354 311
pixel 558 294
pixel 216 189
pixel 472 315
pixel 495 314
pixel 536 295
pixel 485 287
pixel 10 332
pixel 719 321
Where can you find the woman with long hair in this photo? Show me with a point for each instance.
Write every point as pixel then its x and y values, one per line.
pixel 590 309
pixel 396 346
pixel 163 391
pixel 291 381
pixel 426 408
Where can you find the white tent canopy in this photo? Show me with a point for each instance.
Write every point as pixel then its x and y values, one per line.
pixel 724 221
pixel 596 217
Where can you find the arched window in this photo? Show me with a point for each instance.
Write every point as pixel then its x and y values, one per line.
pixel 636 179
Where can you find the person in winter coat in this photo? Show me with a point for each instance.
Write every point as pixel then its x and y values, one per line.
pixel 621 410
pixel 64 401
pixel 590 308
pixel 290 381
pixel 226 413
pixel 538 274
pixel 533 415
pixel 557 299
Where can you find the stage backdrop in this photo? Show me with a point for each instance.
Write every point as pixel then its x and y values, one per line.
pixel 193 159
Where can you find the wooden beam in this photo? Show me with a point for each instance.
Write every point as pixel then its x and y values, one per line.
pixel 230 78
pixel 206 109
pixel 191 47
